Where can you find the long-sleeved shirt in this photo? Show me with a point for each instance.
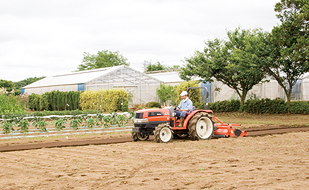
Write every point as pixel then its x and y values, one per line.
pixel 186 104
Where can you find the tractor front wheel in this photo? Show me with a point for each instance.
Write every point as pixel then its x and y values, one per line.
pixel 139 137
pixel 201 127
pixel 163 133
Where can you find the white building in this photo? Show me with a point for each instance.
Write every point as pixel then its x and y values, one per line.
pixel 141 86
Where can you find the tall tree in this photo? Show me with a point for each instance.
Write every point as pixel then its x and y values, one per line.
pixel 7 84
pixel 165 93
pixel 102 59
pixel 149 66
pixel 290 44
pixel 235 62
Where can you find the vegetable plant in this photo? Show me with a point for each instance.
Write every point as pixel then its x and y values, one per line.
pixel 107 120
pixel 23 126
pixel 121 119
pixel 59 123
pixel 90 122
pixel 7 127
pixel 40 124
pixel 75 123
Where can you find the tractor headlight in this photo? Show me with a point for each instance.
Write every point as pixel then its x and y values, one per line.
pixel 140 120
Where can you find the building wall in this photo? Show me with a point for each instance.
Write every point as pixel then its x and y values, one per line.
pixel 270 90
pixel 305 89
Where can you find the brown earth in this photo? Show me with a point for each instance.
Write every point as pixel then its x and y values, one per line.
pixel 268 162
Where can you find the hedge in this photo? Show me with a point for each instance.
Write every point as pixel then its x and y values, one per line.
pixel 256 106
pixel 225 106
pixel 54 100
pixel 108 100
pixel 153 105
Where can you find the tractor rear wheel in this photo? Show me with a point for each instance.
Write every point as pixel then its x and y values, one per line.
pixel 139 137
pixel 201 127
pixel 163 133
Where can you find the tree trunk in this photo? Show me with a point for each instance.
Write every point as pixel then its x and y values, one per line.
pixel 288 99
pixel 242 100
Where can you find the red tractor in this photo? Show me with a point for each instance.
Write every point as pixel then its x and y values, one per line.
pixel 198 125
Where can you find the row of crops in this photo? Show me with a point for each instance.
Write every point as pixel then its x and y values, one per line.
pixel 75 122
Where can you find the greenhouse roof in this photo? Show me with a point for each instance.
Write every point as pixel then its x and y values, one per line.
pixel 78 77
pixel 170 77
pixel 167 77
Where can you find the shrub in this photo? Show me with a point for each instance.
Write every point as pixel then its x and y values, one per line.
pixel 104 100
pixel 123 104
pixel 11 105
pixel 165 93
pixel 265 106
pixel 54 100
pixel 225 106
pixel 299 107
pixel 152 104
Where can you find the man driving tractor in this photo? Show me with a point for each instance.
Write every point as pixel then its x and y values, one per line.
pixel 184 108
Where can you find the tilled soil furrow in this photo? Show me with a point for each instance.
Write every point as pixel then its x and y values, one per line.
pixel 261 131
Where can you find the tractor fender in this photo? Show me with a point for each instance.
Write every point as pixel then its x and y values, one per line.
pixel 186 121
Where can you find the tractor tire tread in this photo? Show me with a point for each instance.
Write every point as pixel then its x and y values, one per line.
pixel 157 132
pixel 192 125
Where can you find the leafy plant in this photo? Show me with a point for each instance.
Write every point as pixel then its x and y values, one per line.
pixel 75 123
pixel 7 127
pixel 121 119
pixel 59 123
pixel 11 105
pixel 40 124
pixel 106 121
pixel 108 100
pixel 23 126
pixel 90 122
pixel 236 61
pixel 165 93
pixel 153 104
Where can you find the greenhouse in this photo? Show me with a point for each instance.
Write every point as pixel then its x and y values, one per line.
pixel 141 86
pixel 270 89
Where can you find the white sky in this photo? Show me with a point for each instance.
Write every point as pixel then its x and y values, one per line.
pixel 48 37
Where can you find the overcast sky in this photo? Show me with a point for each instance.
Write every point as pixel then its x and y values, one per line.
pixel 48 37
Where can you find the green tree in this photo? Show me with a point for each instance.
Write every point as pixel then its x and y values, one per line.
pixel 11 105
pixel 102 59
pixel 290 45
pixel 149 66
pixel 165 93
pixel 7 84
pixel 235 62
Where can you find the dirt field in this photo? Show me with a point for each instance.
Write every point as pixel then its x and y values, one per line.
pixel 269 162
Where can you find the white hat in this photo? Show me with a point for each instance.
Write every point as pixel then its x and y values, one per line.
pixel 184 93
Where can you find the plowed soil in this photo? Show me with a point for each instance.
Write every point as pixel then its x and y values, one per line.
pixel 263 162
